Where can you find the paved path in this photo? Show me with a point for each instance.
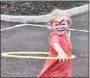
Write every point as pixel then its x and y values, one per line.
pixel 29 38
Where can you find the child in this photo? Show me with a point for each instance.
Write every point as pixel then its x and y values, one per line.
pixel 60 46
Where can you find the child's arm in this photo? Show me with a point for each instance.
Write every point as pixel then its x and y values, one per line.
pixel 61 54
pixel 58 48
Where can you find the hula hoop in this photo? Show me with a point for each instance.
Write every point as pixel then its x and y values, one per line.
pixel 12 54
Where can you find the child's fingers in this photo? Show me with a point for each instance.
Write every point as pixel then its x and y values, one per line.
pixel 59 58
pixel 63 59
pixel 66 58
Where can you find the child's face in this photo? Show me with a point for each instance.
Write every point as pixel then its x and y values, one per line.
pixel 59 22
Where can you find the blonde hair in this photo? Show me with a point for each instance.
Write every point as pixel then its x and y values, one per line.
pixel 60 13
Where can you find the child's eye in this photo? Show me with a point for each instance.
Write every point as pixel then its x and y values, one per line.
pixel 63 24
pixel 56 24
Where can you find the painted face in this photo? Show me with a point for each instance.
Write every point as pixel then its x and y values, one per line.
pixel 60 25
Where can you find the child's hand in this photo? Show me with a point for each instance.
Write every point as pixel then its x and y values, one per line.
pixel 62 56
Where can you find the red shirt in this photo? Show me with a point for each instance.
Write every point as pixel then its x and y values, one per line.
pixel 56 68
pixel 64 42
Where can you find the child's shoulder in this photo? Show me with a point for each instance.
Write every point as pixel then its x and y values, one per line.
pixel 53 34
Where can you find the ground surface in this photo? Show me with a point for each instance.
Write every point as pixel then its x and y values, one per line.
pixel 37 7
pixel 29 38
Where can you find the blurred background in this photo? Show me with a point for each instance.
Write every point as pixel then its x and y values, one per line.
pixel 36 7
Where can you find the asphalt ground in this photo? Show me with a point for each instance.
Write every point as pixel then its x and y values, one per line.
pixel 30 38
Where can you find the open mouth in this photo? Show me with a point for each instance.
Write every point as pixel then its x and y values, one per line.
pixel 61 30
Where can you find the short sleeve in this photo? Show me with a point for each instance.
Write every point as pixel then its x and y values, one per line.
pixel 54 39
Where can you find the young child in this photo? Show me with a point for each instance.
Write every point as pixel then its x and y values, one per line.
pixel 60 46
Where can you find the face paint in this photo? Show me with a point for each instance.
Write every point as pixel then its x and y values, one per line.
pixel 61 25
pixel 57 28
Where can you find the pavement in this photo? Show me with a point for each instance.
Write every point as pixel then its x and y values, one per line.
pixel 42 18
pixel 30 38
